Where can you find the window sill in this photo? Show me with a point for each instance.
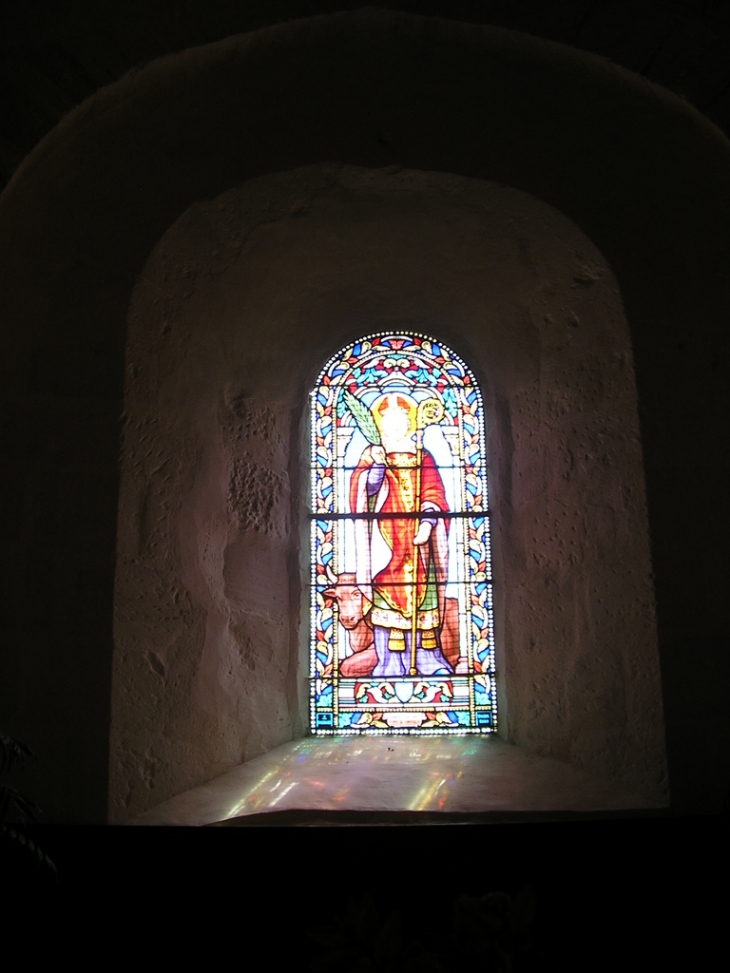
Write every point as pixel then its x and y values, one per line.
pixel 381 780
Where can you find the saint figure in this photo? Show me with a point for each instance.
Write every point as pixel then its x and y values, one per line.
pixel 401 562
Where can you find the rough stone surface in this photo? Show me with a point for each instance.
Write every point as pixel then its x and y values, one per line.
pixel 237 309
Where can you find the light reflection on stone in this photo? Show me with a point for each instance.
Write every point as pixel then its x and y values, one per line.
pixel 392 774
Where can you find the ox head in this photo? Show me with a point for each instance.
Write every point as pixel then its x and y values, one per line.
pixel 349 600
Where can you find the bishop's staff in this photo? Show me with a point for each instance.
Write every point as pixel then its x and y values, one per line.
pixel 429 412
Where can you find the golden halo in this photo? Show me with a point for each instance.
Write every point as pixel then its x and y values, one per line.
pixel 395 400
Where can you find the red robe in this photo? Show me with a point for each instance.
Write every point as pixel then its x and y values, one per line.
pixel 393 580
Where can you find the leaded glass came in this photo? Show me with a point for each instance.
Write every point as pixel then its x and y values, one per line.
pixel 401 585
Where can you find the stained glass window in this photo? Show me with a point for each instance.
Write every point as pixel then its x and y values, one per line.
pixel 401 584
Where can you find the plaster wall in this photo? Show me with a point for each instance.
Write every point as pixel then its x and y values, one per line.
pixel 236 310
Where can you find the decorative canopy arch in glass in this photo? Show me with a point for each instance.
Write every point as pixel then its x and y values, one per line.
pixel 401 584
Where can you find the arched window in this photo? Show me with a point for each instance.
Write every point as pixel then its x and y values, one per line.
pixel 401 586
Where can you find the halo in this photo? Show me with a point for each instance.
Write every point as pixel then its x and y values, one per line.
pixel 395 400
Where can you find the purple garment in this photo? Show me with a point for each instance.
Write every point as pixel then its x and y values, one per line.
pixel 429 662
pixel 375 478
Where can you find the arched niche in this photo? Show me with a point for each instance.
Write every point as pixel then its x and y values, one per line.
pixel 238 307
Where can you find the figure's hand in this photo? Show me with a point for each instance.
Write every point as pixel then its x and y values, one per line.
pixel 378 455
pixel 422 534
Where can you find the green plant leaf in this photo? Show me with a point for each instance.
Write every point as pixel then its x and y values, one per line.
pixel 12 753
pixel 363 417
pixel 31 851
pixel 11 800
